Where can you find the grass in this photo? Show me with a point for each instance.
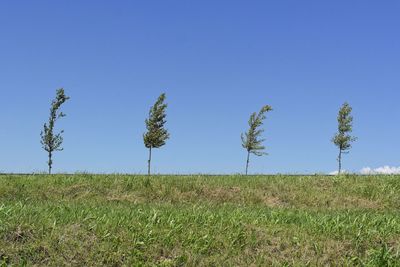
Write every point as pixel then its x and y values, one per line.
pixel 121 220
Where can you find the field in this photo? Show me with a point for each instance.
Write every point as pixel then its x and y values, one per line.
pixel 122 220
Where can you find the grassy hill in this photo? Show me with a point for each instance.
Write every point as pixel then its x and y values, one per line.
pixel 117 220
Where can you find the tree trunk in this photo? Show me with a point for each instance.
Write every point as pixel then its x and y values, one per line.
pixel 247 161
pixel 50 162
pixel 149 162
pixel 340 161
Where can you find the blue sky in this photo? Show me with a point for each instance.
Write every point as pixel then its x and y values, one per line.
pixel 217 61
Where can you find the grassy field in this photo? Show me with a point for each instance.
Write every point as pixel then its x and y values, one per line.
pixel 118 220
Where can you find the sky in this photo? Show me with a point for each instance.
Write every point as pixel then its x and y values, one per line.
pixel 217 62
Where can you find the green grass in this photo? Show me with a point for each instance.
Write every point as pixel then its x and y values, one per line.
pixel 121 220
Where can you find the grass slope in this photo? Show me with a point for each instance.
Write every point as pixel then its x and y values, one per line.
pixel 117 220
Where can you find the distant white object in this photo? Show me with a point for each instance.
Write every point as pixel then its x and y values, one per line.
pixel 381 170
pixel 336 172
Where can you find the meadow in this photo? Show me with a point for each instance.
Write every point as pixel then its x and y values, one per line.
pixel 133 220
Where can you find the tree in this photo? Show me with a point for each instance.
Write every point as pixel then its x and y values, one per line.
pixel 251 139
pixel 156 134
pixel 342 138
pixel 50 141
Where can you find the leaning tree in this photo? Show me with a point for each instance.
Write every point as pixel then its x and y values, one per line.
pixel 156 134
pixel 342 138
pixel 50 140
pixel 251 139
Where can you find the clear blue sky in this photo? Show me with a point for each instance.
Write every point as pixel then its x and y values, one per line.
pixel 217 61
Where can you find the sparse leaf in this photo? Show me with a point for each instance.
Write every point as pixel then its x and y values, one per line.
pixel 52 142
pixel 251 139
pixel 342 138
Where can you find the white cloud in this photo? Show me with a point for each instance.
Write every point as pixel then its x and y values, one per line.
pixel 381 170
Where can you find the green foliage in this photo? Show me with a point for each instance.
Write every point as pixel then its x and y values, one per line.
pixel 156 134
pixel 251 139
pixel 342 138
pixel 52 141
